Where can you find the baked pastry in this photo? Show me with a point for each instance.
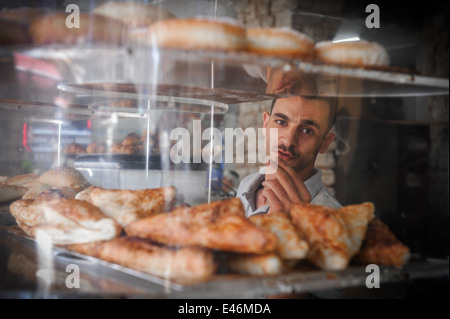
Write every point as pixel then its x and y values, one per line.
pixel 116 148
pixel 183 265
pixel 74 148
pixel 289 243
pixel 253 264
pixel 25 217
pixel 35 189
pixel 3 179
pixel 11 192
pixel 195 33
pixel 63 176
pixel 126 205
pixel 65 221
pixel 93 28
pixel 382 247
pixel 219 225
pixel 356 53
pixel 134 15
pixel 21 180
pixel 281 41
pixel 334 235
pixel 85 193
pixel 96 148
pixel 15 24
pixel 131 139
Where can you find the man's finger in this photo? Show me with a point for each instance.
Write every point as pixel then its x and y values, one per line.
pixel 290 180
pixel 279 191
pixel 288 183
pixel 275 204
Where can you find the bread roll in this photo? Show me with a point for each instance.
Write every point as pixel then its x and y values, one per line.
pixel 357 53
pixel 283 42
pixel 195 33
pixel 11 192
pixel 15 24
pixel 52 29
pixel 21 180
pixel 63 176
pixel 134 15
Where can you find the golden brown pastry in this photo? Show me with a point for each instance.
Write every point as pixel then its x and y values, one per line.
pixel 96 148
pixel 11 192
pixel 334 235
pixel 62 176
pixel 253 264
pixel 21 180
pixel 126 205
pixel 290 245
pixel 382 247
pixel 194 33
pixel 93 28
pixel 281 41
pixel 15 24
pixel 134 15
pixel 220 225
pixel 131 139
pixel 358 53
pixel 74 148
pixel 65 221
pixel 183 265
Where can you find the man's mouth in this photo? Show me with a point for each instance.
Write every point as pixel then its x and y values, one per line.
pixel 284 155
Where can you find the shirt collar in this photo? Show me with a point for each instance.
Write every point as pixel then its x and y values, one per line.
pixel 314 183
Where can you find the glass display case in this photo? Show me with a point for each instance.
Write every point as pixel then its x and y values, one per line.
pixel 137 117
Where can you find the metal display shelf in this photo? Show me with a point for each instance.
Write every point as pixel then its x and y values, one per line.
pixel 232 77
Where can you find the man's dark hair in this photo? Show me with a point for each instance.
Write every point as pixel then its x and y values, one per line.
pixel 333 102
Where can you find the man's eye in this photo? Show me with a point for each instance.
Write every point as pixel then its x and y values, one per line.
pixel 280 122
pixel 307 131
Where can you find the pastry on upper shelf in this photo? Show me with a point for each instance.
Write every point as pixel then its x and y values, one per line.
pixel 93 28
pixel 356 53
pixel 281 41
pixel 96 148
pixel 197 33
pixel 74 148
pixel 15 24
pixel 134 15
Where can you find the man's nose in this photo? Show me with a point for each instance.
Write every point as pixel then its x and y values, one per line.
pixel 289 137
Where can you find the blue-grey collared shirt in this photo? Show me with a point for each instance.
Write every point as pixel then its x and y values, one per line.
pixel 250 184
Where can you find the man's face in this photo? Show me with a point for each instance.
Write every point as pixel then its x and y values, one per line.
pixel 302 126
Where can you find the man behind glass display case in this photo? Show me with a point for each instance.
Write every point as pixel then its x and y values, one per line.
pixel 303 123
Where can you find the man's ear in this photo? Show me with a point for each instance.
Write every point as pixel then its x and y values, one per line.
pixel 326 142
pixel 266 118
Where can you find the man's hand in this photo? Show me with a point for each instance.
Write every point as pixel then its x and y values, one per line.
pixel 283 187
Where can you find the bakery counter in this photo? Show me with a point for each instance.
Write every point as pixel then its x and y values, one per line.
pixel 35 270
